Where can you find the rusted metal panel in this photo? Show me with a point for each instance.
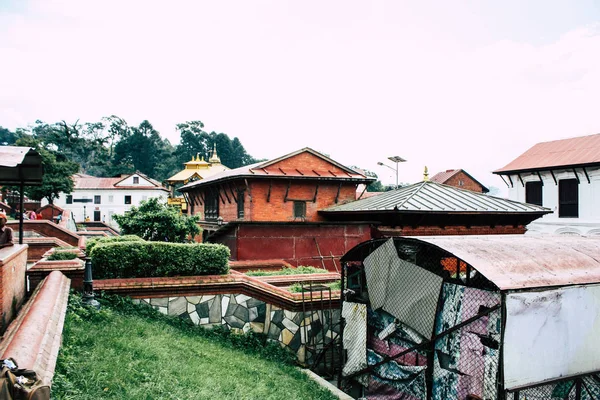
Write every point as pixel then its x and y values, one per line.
pixel 521 262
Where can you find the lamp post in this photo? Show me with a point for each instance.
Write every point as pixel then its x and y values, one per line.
pixel 88 286
pixel 397 160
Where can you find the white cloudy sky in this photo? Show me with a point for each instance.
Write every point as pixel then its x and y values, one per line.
pixel 459 84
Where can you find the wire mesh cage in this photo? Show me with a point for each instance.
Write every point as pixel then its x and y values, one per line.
pixel 420 323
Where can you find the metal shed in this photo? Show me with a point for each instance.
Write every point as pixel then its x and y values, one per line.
pixel 472 317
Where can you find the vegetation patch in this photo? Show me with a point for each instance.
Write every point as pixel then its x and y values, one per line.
pixel 90 244
pixel 289 271
pixel 140 259
pixel 62 255
pixel 129 351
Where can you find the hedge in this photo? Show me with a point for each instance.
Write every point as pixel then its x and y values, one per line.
pixel 139 259
pixel 110 239
pixel 62 255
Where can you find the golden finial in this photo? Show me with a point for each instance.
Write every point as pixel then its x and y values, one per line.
pixel 214 159
pixel 425 175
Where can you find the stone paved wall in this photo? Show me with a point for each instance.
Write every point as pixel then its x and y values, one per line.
pixel 302 332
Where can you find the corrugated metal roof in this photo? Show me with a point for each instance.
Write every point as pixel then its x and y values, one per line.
pixel 434 197
pixel 519 262
pixel 269 169
pixel 558 153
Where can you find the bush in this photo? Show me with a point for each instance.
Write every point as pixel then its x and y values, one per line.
pixel 289 271
pixel 139 259
pixel 62 255
pixel 89 246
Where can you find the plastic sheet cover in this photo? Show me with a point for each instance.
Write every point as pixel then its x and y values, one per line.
pixel 403 289
pixel 466 361
pixel 355 336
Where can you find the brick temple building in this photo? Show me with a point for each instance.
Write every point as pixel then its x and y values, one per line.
pixel 270 210
pixel 302 208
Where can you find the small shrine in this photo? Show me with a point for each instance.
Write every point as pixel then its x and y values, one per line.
pixel 195 169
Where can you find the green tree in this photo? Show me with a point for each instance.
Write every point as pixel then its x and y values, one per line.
pixel 154 220
pixel 57 172
pixel 7 138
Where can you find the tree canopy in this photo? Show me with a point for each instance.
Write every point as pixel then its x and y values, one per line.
pixel 154 220
pixel 111 146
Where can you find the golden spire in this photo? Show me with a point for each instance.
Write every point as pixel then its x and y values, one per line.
pixel 214 159
pixel 425 175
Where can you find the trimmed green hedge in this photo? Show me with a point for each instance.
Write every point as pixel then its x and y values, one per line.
pixel 62 255
pixel 140 259
pixel 89 246
pixel 289 271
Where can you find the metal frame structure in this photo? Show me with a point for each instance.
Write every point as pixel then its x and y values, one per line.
pixel 503 267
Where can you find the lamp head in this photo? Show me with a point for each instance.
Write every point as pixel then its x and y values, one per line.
pixel 396 159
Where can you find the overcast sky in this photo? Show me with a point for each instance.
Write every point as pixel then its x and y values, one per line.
pixel 445 84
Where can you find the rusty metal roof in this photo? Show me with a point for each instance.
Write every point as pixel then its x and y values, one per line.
pixel 521 262
pixel 578 151
pixel 433 197
pixel 20 165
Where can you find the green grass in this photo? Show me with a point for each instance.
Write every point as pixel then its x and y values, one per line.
pixel 126 351
pixel 289 271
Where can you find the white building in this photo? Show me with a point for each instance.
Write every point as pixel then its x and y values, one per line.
pixel 563 175
pixel 100 198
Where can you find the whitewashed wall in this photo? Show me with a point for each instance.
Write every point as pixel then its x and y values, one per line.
pixel 588 222
pixel 112 202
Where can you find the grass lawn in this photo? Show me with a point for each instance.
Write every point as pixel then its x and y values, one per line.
pixel 132 352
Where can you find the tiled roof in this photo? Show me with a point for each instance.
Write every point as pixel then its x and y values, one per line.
pixel 269 169
pixel 83 181
pixel 577 151
pixel 443 177
pixel 434 197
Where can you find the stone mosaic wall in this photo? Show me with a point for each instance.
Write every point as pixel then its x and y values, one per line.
pixel 302 332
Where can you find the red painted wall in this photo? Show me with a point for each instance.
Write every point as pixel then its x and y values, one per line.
pixel 296 244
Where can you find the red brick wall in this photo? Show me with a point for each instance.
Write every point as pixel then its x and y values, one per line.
pixel 276 209
pixel 468 183
pixel 297 244
pixel 257 208
pixel 451 230
pixel 13 261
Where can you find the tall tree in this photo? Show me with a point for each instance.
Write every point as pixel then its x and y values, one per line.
pixel 57 172
pixel 7 138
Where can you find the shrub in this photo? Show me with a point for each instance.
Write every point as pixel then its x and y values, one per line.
pixel 62 255
pixel 89 246
pixel 140 259
pixel 289 271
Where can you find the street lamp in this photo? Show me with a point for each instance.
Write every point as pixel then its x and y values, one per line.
pixel 397 160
